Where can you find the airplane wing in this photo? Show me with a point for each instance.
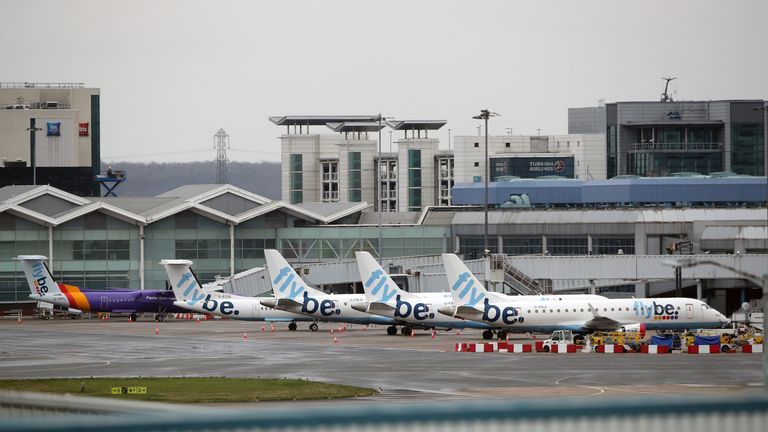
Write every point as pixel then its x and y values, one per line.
pixel 380 308
pixel 468 312
pixel 286 303
pixel 599 322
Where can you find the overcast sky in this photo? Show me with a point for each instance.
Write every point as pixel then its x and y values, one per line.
pixel 172 73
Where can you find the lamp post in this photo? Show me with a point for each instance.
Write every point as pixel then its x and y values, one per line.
pixel 32 148
pixel 761 281
pixel 485 115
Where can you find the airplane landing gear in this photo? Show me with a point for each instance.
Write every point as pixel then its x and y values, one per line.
pixel 487 334
pixel 406 331
pixel 292 326
pixel 313 327
pixel 133 317
pixel 160 317
pixel 392 330
pixel 501 334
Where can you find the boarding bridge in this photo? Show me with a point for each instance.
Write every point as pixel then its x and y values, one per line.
pixel 426 273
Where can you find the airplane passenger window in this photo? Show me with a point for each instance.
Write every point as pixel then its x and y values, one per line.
pixel 612 310
pixel 582 309
pixel 529 311
pixel 558 310
pixel 605 309
pixel 536 310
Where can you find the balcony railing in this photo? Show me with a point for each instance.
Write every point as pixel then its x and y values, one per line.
pixel 675 147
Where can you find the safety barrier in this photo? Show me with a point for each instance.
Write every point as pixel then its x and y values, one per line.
pixel 752 349
pixel 192 316
pixel 703 349
pixel 609 349
pixel 517 348
pixel 563 348
pixel 654 349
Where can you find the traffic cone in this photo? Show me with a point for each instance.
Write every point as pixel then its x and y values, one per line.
pixel 272 327
pixel 18 320
pixel 198 320
pixel 433 334
pixel 334 339
pixel 365 328
pixel 262 327
pixel 413 332
pixel 157 330
pixel 331 330
pixel 245 336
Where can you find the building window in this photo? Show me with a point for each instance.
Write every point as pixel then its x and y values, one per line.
pixel 387 187
pixel 473 247
pixel 329 181
pixel 477 164
pixel 567 245
pixel 747 149
pixel 202 249
pixel 355 177
pixel 507 145
pixel 613 245
pixel 100 250
pixel 477 145
pixel 414 180
pixel 296 179
pixel 522 245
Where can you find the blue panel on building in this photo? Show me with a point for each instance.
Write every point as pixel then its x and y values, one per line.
pixel 640 191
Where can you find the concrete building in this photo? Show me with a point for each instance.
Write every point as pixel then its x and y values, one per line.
pixel 572 156
pixel 67 140
pixel 659 138
pixel 341 167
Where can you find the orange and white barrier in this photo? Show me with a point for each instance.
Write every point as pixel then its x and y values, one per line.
pixel 654 349
pixel 609 349
pixel 703 349
pixel 752 349
pixel 192 316
pixel 518 348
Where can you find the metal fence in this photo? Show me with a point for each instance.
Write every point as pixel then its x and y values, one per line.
pixel 561 415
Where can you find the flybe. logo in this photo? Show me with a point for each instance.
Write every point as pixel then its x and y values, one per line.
pixel 403 308
pixel 292 288
pixel 289 287
pixel 38 273
pixel 468 293
pixel 195 295
pixel 657 311
pixel 508 315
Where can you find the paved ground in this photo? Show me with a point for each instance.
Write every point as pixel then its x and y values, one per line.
pixel 418 368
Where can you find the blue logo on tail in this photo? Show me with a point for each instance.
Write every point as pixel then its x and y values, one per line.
pixel 194 291
pixel 290 287
pixel 469 289
pixel 403 308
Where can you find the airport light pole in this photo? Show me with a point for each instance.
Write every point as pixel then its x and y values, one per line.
pixel 33 148
pixel 485 115
pixel 761 281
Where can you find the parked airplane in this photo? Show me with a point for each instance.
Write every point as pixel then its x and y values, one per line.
pixel 410 310
pixel 473 302
pixel 293 295
pixel 419 310
pixel 192 297
pixel 43 288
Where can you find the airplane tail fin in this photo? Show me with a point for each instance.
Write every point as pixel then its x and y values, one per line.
pixel 466 289
pixel 286 283
pixel 38 275
pixel 378 286
pixel 185 285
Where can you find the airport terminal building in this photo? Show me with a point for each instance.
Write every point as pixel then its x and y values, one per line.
pixel 118 242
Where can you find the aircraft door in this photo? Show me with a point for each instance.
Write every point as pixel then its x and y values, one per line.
pixel 104 303
pixel 689 311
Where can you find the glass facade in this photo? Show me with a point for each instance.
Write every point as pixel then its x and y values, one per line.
pixel 664 164
pixel 747 149
pixel 312 244
pixel 472 247
pixel 414 180
pixel 613 245
pixel 561 246
pixel 611 143
pixel 18 237
pixel 355 178
pixel 522 245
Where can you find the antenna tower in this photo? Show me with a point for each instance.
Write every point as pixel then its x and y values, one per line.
pixel 221 144
pixel 665 97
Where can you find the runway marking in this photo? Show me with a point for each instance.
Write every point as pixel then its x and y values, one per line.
pixel 600 390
